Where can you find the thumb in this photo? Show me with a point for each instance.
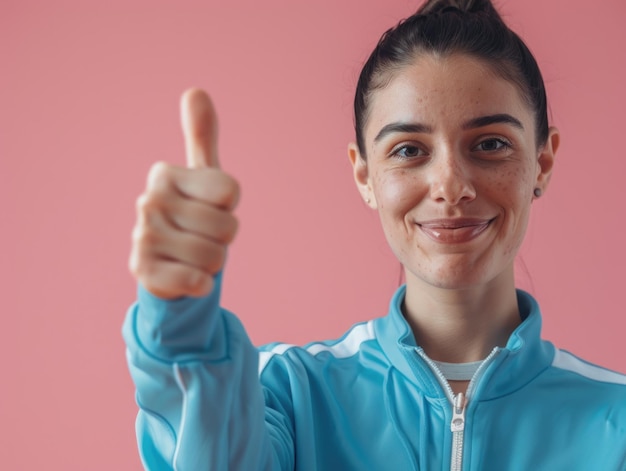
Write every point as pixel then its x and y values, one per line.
pixel 199 123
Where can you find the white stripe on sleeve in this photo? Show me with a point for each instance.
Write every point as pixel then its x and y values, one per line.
pixel 567 361
pixel 345 348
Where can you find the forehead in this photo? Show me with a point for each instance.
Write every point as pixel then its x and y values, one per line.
pixel 444 92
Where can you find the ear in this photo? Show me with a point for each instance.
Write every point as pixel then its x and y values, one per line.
pixel 361 175
pixel 546 159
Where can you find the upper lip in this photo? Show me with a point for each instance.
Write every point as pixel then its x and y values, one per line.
pixel 453 223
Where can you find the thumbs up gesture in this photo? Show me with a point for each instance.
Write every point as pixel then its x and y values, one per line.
pixel 184 216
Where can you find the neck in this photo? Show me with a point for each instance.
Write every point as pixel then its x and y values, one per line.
pixel 461 325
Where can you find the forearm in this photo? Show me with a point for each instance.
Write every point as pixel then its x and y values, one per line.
pixel 201 402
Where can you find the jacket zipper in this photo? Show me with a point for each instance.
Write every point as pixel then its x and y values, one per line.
pixel 459 404
pixel 457 426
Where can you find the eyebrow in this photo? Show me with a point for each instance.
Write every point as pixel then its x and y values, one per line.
pixel 473 123
pixel 403 127
pixel 501 118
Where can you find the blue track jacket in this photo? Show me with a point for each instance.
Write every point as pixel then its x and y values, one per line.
pixel 372 400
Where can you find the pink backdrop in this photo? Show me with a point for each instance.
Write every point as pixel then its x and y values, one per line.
pixel 89 99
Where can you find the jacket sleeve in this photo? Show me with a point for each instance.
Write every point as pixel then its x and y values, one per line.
pixel 201 403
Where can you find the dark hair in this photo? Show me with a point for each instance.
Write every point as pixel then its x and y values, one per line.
pixel 444 27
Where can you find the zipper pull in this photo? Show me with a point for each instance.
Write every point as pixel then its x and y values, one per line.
pixel 458 413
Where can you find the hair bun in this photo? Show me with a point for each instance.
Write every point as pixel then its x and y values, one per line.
pixel 433 7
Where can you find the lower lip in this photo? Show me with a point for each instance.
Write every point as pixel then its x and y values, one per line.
pixel 459 235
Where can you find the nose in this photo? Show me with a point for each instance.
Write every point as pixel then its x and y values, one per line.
pixel 451 179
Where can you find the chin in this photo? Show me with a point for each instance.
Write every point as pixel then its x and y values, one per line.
pixel 452 283
pixel 453 276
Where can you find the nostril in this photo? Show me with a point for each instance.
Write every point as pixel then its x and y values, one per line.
pixel 453 192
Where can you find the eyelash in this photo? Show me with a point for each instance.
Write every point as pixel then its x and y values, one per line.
pixel 397 151
pixel 503 145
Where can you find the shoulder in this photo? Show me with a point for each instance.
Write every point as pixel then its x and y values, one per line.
pixel 568 363
pixel 348 346
pixel 587 384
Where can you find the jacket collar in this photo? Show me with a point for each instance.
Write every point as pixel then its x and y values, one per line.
pixel 523 358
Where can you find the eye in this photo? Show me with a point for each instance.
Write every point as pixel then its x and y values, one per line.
pixel 407 151
pixel 493 144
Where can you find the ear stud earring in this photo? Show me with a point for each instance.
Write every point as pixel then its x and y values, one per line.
pixel 537 192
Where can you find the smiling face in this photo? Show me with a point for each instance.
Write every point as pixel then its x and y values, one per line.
pixel 451 166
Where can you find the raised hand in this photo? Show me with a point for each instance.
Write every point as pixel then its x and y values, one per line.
pixel 184 217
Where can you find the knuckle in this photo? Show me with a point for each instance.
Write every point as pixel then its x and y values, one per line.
pixel 151 208
pixel 149 202
pixel 159 169
pixel 140 268
pixel 133 264
pixel 225 189
pixel 143 237
pixel 143 203
pixel 233 185
pixel 159 175
pixel 136 234
pixel 232 190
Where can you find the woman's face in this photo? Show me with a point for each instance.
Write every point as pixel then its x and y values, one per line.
pixel 451 166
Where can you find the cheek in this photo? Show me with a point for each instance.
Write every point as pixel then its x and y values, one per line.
pixel 514 182
pixel 512 186
pixel 397 191
pixel 515 187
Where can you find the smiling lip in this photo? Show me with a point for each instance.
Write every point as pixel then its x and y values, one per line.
pixel 454 231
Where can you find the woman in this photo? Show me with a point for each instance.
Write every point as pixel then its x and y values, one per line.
pixel 452 146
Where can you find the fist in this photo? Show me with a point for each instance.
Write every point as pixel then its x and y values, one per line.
pixel 185 215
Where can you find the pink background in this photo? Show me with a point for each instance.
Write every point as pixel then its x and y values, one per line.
pixel 89 99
